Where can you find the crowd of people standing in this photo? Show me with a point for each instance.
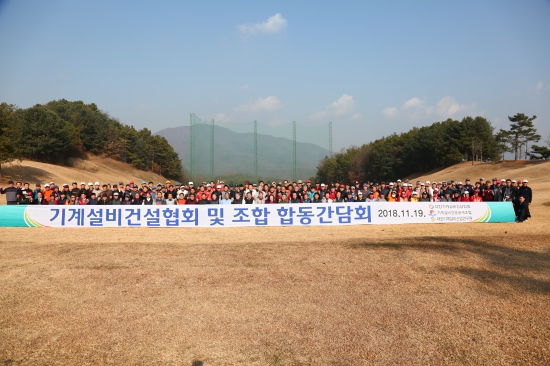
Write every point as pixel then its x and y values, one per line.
pixel 499 190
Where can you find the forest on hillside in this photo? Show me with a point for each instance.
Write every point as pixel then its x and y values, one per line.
pixel 59 130
pixel 437 146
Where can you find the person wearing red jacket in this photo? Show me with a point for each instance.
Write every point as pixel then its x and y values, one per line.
pixel 476 197
pixel 465 197
pixel 487 195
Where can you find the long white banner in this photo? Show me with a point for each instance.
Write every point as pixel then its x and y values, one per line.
pixel 356 213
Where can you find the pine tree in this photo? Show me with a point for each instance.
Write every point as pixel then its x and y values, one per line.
pixel 522 131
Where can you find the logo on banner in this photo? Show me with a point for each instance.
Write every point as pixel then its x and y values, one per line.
pixel 432 213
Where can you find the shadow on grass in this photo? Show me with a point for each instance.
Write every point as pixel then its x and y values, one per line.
pixel 26 174
pixel 522 269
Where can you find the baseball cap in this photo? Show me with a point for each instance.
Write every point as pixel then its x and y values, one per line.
pixel 143 182
pixel 47 185
pixel 525 181
pixel 427 182
pixel 513 181
pixel 391 183
pixel 498 181
pixel 65 185
pixel 191 183
pixel 96 183
pixel 399 180
pixel 10 182
pixel 218 186
pixel 308 181
pixel 415 192
pixel 82 183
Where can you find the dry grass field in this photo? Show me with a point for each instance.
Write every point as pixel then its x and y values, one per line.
pixel 443 294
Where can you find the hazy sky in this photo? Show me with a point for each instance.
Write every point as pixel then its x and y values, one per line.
pixel 370 67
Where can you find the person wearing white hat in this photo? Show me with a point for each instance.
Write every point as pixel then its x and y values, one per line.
pixel 526 192
pixel 97 189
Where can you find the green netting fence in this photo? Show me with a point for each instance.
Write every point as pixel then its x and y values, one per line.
pixel 253 151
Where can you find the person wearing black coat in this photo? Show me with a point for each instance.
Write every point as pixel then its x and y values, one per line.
pixel 523 211
pixel 526 192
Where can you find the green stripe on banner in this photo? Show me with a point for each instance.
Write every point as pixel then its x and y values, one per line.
pixel 12 216
pixel 501 212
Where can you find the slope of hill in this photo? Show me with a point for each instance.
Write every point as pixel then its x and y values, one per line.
pixel 94 168
pixel 234 153
pixel 536 172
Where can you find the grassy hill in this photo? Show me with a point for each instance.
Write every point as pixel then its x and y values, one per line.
pixel 537 172
pixel 234 153
pixel 92 169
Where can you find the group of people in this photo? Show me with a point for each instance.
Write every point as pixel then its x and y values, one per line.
pixel 500 190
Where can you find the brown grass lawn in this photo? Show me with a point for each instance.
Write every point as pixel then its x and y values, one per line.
pixel 404 294
pixel 362 295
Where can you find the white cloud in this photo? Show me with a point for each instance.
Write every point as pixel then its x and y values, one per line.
pixel 244 87
pixel 344 105
pixel 222 117
pixel 448 107
pixel 272 25
pixel 415 108
pixel 539 86
pixel 413 102
pixel 390 112
pixel 356 117
pixel 268 104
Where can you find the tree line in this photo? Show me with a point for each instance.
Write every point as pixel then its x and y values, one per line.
pixel 62 129
pixel 437 146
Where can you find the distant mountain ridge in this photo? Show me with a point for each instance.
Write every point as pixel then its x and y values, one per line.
pixel 234 153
